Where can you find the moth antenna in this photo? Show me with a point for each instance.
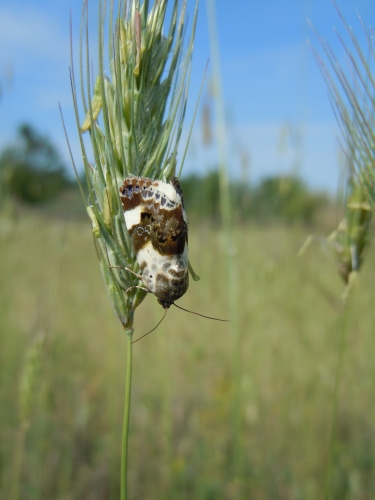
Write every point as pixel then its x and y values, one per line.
pixel 198 314
pixel 155 327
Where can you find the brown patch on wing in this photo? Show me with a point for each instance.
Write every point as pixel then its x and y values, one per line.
pixel 170 231
pixel 168 289
pixel 166 229
pixel 176 184
pixel 143 265
pixel 134 191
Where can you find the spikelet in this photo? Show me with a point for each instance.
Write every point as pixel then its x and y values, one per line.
pixel 352 93
pixel 134 117
pixel 352 234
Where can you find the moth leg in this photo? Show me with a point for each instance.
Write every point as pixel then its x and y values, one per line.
pixel 140 288
pixel 140 277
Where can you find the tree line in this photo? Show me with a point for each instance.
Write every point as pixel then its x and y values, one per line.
pixel 280 197
pixel 31 169
pixel 33 173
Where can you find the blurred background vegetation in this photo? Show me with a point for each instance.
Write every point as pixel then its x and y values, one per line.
pixel 62 354
pixel 31 170
pixel 208 422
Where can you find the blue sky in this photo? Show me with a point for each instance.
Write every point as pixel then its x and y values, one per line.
pixel 279 115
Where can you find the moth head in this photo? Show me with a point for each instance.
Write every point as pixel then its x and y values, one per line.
pixel 166 304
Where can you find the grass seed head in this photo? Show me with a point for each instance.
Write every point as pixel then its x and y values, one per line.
pixel 134 117
pixel 352 93
pixel 351 237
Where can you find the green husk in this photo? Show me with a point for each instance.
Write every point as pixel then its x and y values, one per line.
pixel 133 117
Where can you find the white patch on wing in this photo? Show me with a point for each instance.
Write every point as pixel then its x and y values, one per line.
pixel 157 263
pixel 169 191
pixel 133 217
pixel 184 215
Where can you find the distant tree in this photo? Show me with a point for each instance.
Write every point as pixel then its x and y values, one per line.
pixel 31 170
pixel 285 197
pixel 202 194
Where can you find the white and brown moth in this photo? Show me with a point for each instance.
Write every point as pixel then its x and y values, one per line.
pixel 156 221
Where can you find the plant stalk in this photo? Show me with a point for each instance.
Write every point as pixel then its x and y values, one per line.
pixel 230 249
pixel 327 490
pixel 125 428
pixel 19 457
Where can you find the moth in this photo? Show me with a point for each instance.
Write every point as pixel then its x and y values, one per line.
pixel 156 221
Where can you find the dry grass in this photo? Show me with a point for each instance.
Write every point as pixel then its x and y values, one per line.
pixel 180 442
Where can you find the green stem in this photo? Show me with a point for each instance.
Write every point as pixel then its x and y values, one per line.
pixel 327 490
pixel 230 249
pixel 125 428
pixel 19 456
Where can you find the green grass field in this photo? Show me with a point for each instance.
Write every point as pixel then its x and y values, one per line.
pixel 62 371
